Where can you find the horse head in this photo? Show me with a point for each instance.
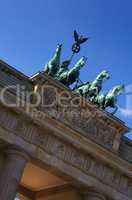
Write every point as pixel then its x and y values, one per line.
pixel 81 63
pixel 118 89
pixel 104 75
pixel 59 47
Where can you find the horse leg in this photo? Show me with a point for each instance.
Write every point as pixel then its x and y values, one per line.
pixel 116 108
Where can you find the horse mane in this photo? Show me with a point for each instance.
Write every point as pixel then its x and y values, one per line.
pixel 83 84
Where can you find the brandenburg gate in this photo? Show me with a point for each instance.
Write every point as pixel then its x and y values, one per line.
pixel 59 152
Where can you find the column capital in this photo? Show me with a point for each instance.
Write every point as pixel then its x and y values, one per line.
pixel 16 151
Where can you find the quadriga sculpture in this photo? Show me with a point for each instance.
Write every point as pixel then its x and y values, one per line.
pixel 68 77
pixel 109 99
pixel 91 90
pixel 52 66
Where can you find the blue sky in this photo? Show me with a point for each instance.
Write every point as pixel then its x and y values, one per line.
pixel 31 29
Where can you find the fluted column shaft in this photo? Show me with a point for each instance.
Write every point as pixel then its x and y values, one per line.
pixel 12 172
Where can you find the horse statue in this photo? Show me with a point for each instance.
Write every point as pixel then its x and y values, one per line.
pixel 109 99
pixel 91 90
pixel 68 77
pixel 52 66
pixel 62 70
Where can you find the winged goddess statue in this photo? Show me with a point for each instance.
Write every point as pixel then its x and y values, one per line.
pixel 79 39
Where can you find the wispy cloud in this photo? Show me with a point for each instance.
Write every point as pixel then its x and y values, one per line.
pixel 125 112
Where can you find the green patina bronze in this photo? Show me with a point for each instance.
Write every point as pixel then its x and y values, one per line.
pixel 91 90
pixel 61 72
pixel 53 65
pixel 109 99
pixel 79 39
pixel 69 76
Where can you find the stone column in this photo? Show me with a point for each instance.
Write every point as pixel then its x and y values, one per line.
pixel 15 161
pixel 93 195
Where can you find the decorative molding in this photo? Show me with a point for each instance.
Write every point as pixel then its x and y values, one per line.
pixel 44 192
pixel 53 190
pixel 93 194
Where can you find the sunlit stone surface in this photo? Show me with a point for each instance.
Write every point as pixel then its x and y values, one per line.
pixel 58 155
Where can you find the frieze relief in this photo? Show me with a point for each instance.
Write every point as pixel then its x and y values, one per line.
pixel 90 122
pixel 66 152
